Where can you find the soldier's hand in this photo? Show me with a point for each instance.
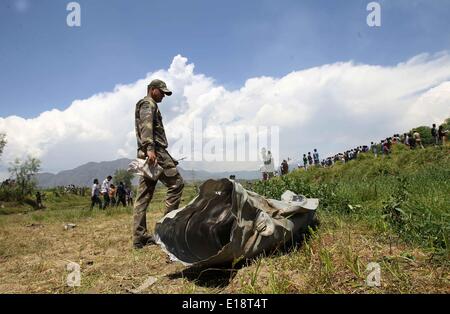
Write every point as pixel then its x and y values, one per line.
pixel 151 158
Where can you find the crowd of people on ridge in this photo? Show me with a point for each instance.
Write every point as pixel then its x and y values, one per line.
pixel 412 140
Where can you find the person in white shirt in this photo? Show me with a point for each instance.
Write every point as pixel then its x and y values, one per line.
pixel 316 157
pixel 267 168
pixel 105 191
pixel 95 195
pixel 374 149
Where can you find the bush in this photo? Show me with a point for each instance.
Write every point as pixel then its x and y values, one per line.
pixel 24 181
pixel 425 135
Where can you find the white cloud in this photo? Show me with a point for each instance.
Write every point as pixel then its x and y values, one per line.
pixel 331 107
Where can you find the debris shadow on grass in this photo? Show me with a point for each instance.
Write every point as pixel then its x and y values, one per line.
pixel 222 275
pixel 209 277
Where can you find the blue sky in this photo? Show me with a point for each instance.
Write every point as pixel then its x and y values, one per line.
pixel 312 68
pixel 44 64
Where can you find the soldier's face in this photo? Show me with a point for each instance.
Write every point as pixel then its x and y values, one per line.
pixel 157 95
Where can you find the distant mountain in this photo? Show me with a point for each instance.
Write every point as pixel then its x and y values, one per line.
pixel 82 175
pixel 85 174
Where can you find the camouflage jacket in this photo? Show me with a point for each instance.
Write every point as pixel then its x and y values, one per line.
pixel 150 132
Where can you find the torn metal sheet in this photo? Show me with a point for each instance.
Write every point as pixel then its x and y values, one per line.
pixel 142 168
pixel 226 222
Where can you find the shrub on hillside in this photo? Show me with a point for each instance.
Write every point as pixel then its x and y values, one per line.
pixel 425 135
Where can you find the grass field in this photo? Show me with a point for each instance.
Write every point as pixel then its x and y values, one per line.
pixel 392 211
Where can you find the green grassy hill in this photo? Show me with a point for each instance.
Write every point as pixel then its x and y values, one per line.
pixel 392 211
pixel 407 192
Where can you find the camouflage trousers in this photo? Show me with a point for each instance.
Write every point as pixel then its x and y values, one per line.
pixel 172 179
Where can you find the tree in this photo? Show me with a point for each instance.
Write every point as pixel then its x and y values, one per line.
pixel 446 124
pixel 2 142
pixel 425 135
pixel 121 175
pixel 24 174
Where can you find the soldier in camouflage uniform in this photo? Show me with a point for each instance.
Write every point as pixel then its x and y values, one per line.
pixel 152 143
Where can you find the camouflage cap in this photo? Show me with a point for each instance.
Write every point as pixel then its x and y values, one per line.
pixel 161 85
